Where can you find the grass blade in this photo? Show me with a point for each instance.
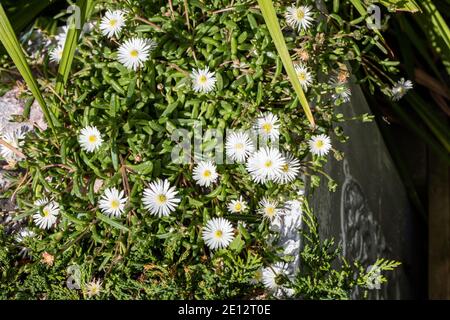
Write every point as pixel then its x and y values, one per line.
pixel 73 35
pixel 270 17
pixel 9 40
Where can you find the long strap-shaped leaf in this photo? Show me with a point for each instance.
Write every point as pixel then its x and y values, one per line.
pixel 12 46
pixel 270 16
pixel 73 34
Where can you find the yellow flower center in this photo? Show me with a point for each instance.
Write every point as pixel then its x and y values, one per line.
pixel 238 206
pixel 267 127
pixel 218 234
pixel 270 211
pixel 302 76
pixel 285 168
pixel 268 164
pixel 115 204
pixel 239 146
pixel 92 139
pixel 258 275
pixel 45 212
pixel 134 53
pixel 319 144
pixel 202 79
pixel 300 14
pixel 207 173
pixel 112 22
pixel 161 199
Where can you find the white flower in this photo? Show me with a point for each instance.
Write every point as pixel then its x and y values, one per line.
pixel 265 164
pixel 237 206
pixel 289 170
pixel 134 52
pixel 93 288
pixel 160 199
pixel 112 23
pixel 24 234
pixel 269 209
pixel 401 88
pixel 61 36
pixel 257 278
pixel 300 18
pixel 341 91
pixel 239 146
pixel 90 139
pixel 56 54
pixel 218 233
pixel 271 275
pixel 205 173
pixel 15 140
pixel 112 202
pixel 304 75
pixel 203 80
pixel 268 126
pixel 320 144
pixel 47 214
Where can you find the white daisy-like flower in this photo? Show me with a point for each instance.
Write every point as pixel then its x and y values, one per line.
pixel 112 23
pixel 134 52
pixel 239 146
pixel 93 288
pixel 257 278
pixel 203 80
pixel 271 275
pixel 265 164
pixel 341 91
pixel 90 139
pixel 112 202
pixel 300 18
pixel 24 234
pixel 289 170
pixel 61 36
pixel 320 144
pixel 268 126
pixel 47 214
pixel 14 139
pixel 237 206
pixel 218 233
pixel 401 88
pixel 269 209
pixel 56 54
pixel 304 75
pixel 205 173
pixel 160 199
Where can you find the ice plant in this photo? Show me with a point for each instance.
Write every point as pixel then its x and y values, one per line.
pixel 112 23
pixel 271 276
pixel 269 209
pixel 160 198
pixel 218 233
pixel 112 202
pixel 299 18
pixel 289 171
pixel 304 75
pixel 15 140
pixel 265 164
pixel 239 146
pixel 93 288
pixel 56 54
pixel 47 213
pixel 268 126
pixel 90 139
pixel 134 52
pixel 237 206
pixel 203 80
pixel 205 173
pixel 320 144
pixel 401 88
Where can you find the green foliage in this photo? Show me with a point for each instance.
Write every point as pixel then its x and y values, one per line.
pixel 142 256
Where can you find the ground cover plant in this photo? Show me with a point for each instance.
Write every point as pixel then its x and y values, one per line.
pixel 124 195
